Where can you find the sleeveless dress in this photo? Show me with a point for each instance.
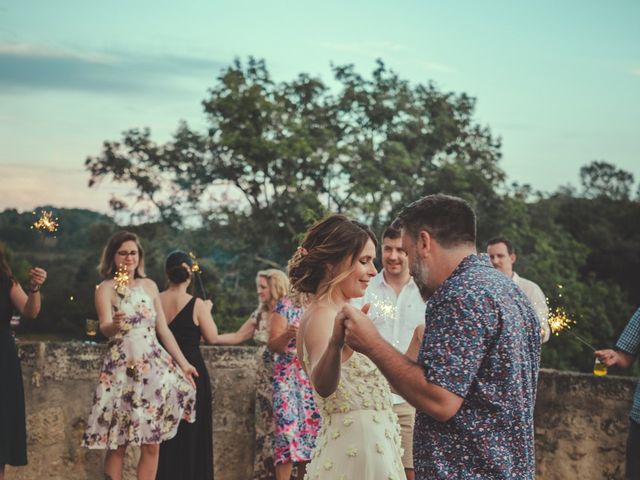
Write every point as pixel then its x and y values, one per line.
pixel 13 435
pixel 190 453
pixel 263 466
pixel 295 414
pixel 142 395
pixel 360 435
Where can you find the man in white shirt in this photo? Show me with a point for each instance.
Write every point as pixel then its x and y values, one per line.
pixel 396 309
pixel 503 256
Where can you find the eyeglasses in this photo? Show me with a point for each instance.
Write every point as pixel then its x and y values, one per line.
pixel 124 253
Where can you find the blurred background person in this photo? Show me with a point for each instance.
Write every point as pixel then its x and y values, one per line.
pixel 271 285
pixel 296 418
pixel 503 256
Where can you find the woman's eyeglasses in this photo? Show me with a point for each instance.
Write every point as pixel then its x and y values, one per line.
pixel 124 253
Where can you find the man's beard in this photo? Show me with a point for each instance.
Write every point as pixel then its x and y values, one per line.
pixel 420 274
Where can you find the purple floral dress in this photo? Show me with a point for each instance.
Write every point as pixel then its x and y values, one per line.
pixel 142 395
pixel 297 419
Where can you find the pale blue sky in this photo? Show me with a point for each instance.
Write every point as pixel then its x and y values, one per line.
pixel 558 81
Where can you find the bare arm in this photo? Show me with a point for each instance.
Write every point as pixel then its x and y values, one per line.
pixel 244 333
pixel 165 335
pixel 208 327
pixel 29 304
pixel 280 333
pixel 405 375
pixel 323 337
pixel 109 322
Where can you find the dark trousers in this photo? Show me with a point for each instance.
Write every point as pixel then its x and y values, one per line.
pixel 633 451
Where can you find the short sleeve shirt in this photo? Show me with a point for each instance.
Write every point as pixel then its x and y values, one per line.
pixel 629 342
pixel 482 343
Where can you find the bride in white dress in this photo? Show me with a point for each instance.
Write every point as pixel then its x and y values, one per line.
pixel 359 438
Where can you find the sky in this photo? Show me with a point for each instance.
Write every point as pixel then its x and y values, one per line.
pixel 559 82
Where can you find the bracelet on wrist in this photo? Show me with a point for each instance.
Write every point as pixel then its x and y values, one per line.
pixel 35 289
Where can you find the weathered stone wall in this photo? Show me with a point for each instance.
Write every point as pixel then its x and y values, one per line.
pixel 60 379
pixel 581 420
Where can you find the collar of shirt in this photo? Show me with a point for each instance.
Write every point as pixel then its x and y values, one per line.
pixel 470 261
pixel 379 280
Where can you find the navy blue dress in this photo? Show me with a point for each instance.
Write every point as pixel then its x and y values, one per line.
pixel 13 432
pixel 189 455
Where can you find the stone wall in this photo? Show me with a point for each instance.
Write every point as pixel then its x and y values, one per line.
pixel 581 420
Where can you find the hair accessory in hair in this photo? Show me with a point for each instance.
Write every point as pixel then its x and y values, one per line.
pixel 302 251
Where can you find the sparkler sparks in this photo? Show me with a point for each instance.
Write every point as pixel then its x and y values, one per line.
pixel 383 308
pixel 47 222
pixel 122 281
pixel 195 267
pixel 559 321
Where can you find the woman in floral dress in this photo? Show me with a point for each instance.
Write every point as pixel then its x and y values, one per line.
pixel 142 395
pixel 296 417
pixel 271 284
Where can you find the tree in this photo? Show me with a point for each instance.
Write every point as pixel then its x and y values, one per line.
pixel 293 150
pixel 603 180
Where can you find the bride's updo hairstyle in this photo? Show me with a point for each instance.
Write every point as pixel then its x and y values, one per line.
pixel 327 244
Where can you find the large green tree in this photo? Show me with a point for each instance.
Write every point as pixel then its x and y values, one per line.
pixel 295 149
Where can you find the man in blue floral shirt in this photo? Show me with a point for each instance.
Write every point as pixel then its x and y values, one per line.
pixel 474 382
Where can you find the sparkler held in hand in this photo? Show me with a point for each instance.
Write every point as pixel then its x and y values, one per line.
pixel 559 321
pixel 195 268
pixel 122 283
pixel 47 225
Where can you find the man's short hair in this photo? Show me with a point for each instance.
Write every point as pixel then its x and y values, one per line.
pixel 507 243
pixel 391 232
pixel 449 220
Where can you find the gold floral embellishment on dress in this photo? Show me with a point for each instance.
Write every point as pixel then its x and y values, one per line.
pixel 347 421
pixel 328 465
pixel 352 452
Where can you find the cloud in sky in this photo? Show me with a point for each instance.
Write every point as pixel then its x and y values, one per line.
pixel 27 186
pixel 27 66
pixel 635 71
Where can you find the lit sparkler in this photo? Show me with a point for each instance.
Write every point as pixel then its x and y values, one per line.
pixel 383 308
pixel 559 321
pixel 195 268
pixel 46 223
pixel 122 282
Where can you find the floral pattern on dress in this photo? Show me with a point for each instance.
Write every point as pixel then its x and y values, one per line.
pixel 263 467
pixel 142 395
pixel 360 434
pixel 296 416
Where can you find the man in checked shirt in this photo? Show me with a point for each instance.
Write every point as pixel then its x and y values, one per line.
pixel 627 349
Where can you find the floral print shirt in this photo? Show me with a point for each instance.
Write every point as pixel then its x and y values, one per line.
pixel 482 343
